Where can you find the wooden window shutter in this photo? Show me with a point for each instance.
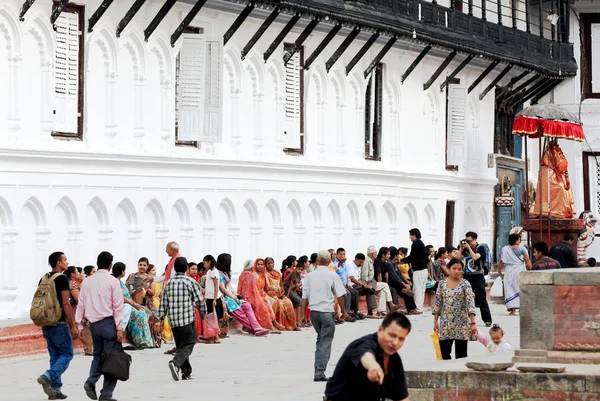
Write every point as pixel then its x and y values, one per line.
pixel 213 93
pixel 66 73
pixel 368 116
pixel 595 70
pixel 378 111
pixel 190 94
pixel 293 102
pixel 457 109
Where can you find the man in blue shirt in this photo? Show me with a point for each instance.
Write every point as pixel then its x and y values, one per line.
pixel 351 297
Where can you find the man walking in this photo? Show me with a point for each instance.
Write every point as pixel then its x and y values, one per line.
pixel 475 274
pixel 319 290
pixel 419 260
pixel 181 295
pixel 101 303
pixel 370 368
pixel 58 336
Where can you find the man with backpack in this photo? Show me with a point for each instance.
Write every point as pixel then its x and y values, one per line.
pixel 51 310
pixel 476 268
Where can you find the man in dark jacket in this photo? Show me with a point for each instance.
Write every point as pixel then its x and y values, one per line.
pixel 564 253
pixel 419 260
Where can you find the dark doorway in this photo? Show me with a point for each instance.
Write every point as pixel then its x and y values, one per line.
pixel 450 208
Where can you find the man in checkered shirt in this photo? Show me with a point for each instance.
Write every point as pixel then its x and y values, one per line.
pixel 180 296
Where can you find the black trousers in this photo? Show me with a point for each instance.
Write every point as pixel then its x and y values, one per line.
pixel 218 307
pixel 460 348
pixel 185 339
pixel 478 285
pixel 396 290
pixel 353 299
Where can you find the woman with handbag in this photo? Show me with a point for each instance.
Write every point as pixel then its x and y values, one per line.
pixel 212 296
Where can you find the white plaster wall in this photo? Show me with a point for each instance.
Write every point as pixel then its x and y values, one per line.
pixel 128 189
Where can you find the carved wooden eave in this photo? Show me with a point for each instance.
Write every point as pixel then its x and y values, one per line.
pixel 463 33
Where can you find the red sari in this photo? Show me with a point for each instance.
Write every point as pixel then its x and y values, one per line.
pixel 197 312
pixel 248 287
pixel 282 306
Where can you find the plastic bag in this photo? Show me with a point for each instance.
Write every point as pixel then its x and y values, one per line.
pixel 210 325
pixel 435 337
pixel 497 290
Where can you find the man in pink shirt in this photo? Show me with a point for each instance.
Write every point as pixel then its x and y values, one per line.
pixel 173 252
pixel 101 303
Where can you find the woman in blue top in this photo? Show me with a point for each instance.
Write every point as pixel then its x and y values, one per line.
pixel 239 308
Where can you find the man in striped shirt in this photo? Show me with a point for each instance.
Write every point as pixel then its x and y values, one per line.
pixel 181 295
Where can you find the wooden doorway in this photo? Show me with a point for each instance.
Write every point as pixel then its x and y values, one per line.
pixel 450 210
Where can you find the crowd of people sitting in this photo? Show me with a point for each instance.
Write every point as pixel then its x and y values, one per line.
pixel 268 300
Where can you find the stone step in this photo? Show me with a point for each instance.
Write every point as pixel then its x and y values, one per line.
pixel 531 353
pixel 530 359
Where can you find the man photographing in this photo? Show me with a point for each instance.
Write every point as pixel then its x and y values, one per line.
pixel 370 368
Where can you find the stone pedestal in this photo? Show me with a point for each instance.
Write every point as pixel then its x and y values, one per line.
pixel 560 319
pixel 558 228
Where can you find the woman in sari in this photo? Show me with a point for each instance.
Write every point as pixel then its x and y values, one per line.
pixel 282 306
pixel 140 288
pixel 153 303
pixel 137 329
pixel 139 284
pixel 237 307
pixel 514 259
pixel 252 287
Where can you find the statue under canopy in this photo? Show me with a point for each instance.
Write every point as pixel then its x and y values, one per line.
pixel 554 194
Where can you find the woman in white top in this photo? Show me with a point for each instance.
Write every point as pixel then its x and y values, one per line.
pixel 213 293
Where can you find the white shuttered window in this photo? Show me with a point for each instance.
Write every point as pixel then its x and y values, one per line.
pixel 199 89
pixel 456 125
pixel 294 102
pixel 190 87
pixel 67 107
pixel 595 73
pixel 213 95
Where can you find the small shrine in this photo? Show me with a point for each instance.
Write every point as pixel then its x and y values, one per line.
pixel 550 209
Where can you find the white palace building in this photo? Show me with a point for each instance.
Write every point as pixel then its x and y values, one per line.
pixel 257 128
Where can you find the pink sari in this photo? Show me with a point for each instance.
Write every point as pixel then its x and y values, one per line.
pixel 248 288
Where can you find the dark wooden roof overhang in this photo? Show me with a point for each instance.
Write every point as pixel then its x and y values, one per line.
pixel 397 20
pixel 187 21
pixel 57 9
pixel 24 8
pixel 300 40
pixel 281 36
pixel 133 10
pixel 98 14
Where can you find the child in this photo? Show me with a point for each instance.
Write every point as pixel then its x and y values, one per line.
pixel 404 267
pixel 495 342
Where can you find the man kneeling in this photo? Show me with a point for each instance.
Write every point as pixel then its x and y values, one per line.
pixel 370 369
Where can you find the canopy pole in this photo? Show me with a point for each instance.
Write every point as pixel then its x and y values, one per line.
pixel 527 192
pixel 540 178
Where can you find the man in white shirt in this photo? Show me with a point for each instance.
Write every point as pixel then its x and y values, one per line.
pixel 319 291
pixel 368 282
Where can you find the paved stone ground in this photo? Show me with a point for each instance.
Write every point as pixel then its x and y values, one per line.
pixel 274 368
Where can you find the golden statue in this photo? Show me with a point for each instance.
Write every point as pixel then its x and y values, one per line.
pixel 554 191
